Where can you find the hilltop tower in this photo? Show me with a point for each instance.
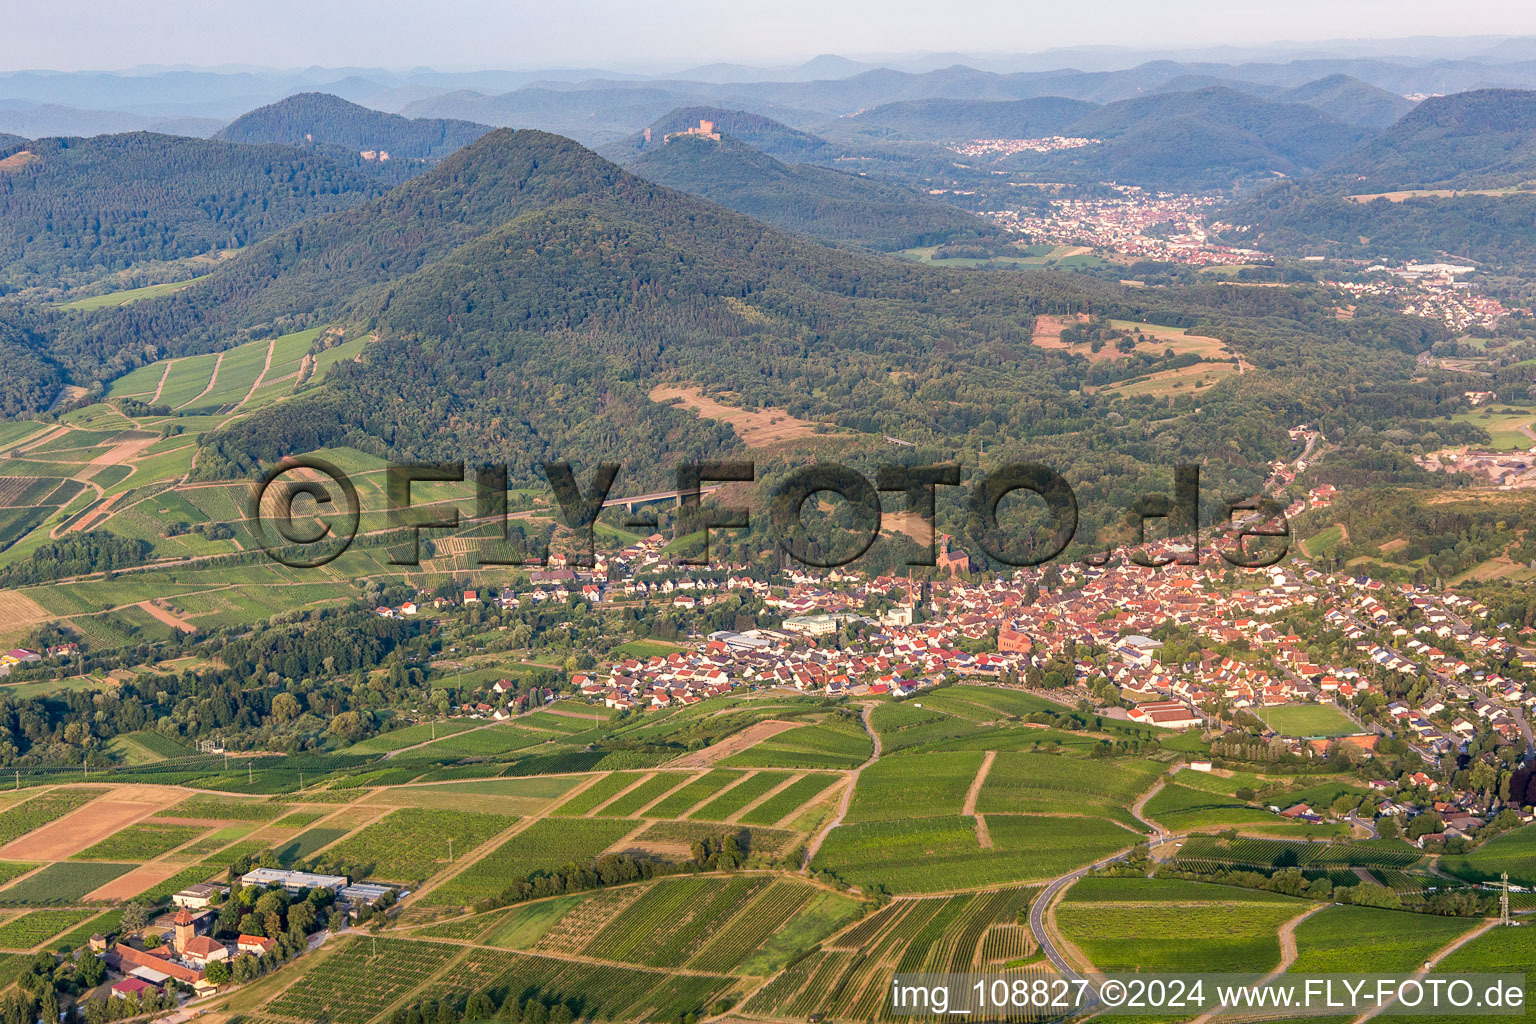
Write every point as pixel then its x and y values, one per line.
pixel 185 929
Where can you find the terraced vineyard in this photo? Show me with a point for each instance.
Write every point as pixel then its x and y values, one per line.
pixel 661 929
pixel 849 979
pixel 361 979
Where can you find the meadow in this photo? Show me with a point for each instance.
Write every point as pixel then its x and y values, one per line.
pixel 1308 720
pixel 1513 852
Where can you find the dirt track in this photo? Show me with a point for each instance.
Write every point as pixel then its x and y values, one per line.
pixel 733 744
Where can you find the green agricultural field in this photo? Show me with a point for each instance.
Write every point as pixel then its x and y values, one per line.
pixel 647 792
pixel 824 914
pixel 1281 853
pixel 485 742
pixel 1308 720
pixel 412 844
pixel 1514 852
pixel 663 927
pixel 299 819
pixel 361 979
pixel 725 948
pixel 1499 950
pixel 681 801
pixel 914 786
pixel 604 992
pixel 739 796
pixel 1338 938
pixel 1047 783
pixel 599 792
pixel 907 855
pixel 128 295
pixel 525 925
pixel 822 745
pixel 1142 924
pixel 40 810
pixel 61 883
pixel 38 926
pixel 504 796
pixel 205 805
pixel 789 799
pixel 144 841
pixel 1321 544
pixel 543 846
pixel 306 844
pixel 146 747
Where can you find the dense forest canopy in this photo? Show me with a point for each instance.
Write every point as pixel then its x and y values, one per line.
pixel 105 203
pixel 829 204
pixel 316 119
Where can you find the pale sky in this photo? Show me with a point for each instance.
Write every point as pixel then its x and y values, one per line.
pixel 656 34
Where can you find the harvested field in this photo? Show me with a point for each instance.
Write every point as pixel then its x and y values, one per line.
pixel 18 610
pixel 733 744
pixel 1186 380
pixel 123 452
pixel 756 428
pixel 126 887
pixel 175 622
pixel 90 824
pixel 917 529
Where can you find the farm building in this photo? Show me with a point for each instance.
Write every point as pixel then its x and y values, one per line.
pixel 293 881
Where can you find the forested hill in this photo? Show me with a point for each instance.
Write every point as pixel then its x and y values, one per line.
pixel 1468 155
pixel 322 120
pixel 1350 100
pixel 813 200
pixel 87 207
pixel 949 120
pixel 763 134
pixel 1481 139
pixel 528 295
pixel 29 379
pixel 1204 139
pixel 9 143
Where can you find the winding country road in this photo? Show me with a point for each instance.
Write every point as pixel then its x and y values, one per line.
pixel 1042 903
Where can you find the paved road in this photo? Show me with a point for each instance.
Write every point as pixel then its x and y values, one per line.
pixel 1042 904
pixel 1355 819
